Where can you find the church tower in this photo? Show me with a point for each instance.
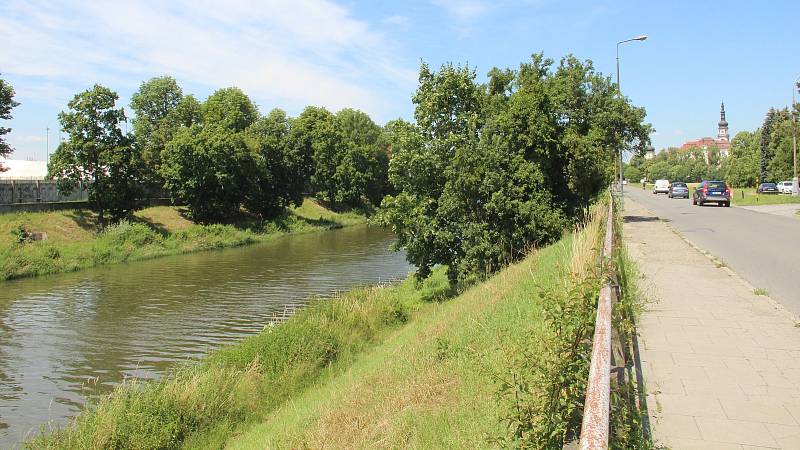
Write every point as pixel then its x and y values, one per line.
pixel 722 127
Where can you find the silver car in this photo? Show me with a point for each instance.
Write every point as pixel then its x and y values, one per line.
pixel 678 190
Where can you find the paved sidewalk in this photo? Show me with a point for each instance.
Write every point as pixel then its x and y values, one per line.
pixel 721 365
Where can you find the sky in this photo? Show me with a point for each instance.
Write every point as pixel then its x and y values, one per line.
pixel 366 54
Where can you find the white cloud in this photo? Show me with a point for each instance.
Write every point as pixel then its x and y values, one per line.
pixel 396 20
pixel 464 10
pixel 282 53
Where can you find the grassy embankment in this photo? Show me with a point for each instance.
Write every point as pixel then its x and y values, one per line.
pixel 73 242
pixel 741 196
pixel 502 364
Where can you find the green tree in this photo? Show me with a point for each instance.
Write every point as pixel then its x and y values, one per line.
pixel 766 151
pixel 781 165
pixel 317 139
pixel 229 108
pixel 632 173
pixel 363 163
pixel 154 124
pixel 208 169
pixel 741 168
pixel 277 184
pixel 490 170
pixel 98 154
pixel 7 103
pixel 209 165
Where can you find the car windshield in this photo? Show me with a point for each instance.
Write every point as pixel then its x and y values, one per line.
pixel 716 185
pixel 769 185
pixel 678 185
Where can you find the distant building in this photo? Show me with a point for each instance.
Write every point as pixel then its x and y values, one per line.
pixel 722 142
pixel 650 154
pixel 17 169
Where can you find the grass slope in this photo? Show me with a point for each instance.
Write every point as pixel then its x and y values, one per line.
pixel 430 385
pixel 73 243
pixel 445 380
pixel 503 364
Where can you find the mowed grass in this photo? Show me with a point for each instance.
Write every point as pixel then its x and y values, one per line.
pixel 73 241
pixel 749 197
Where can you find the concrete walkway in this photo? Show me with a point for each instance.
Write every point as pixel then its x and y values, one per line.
pixel 721 364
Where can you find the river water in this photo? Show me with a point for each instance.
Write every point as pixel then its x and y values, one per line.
pixel 66 338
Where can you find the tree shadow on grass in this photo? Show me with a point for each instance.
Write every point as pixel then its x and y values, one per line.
pixel 85 219
pixel 158 227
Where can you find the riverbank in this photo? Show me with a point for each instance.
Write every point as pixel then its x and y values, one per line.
pixel 33 244
pixel 405 365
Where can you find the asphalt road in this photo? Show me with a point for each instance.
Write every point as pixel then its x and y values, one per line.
pixel 762 248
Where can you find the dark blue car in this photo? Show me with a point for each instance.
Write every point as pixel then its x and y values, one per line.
pixel 712 192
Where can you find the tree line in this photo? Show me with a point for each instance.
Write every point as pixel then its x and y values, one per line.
pixel 762 155
pixel 218 156
pixel 484 173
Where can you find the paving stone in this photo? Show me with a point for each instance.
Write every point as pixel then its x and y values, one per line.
pixel 691 405
pixel 787 437
pixel 756 412
pixel 691 444
pixel 675 426
pixel 735 432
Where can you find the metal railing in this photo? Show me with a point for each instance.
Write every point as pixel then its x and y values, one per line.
pixel 596 410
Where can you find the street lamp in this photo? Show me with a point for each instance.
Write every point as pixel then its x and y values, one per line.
pixel 795 183
pixel 637 38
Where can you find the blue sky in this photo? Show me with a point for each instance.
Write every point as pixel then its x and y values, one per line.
pixel 339 53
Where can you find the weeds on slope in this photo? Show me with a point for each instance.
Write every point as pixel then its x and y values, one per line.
pixel 543 385
pixel 544 381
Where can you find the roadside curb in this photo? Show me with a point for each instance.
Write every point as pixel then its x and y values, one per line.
pixel 721 265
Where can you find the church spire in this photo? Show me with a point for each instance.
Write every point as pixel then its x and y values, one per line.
pixel 722 129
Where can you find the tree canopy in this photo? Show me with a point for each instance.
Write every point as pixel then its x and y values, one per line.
pixel 489 171
pixel 97 154
pixel 208 165
pixel 160 110
pixel 7 103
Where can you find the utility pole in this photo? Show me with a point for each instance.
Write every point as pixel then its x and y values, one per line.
pixel 637 38
pixel 795 182
pixel 48 145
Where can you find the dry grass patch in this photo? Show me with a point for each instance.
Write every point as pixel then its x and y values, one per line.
pixel 379 418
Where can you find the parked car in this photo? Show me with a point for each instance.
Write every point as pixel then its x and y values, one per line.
pixel 712 192
pixel 785 187
pixel 661 187
pixel 678 190
pixel 768 188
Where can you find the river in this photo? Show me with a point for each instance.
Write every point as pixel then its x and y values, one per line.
pixel 66 338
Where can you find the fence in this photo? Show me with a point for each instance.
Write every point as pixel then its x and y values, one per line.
pixel 43 195
pixel 596 411
pixel 38 191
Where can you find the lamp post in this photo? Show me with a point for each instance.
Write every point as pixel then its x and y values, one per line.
pixel 795 182
pixel 637 38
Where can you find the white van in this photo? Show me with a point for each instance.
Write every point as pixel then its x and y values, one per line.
pixel 661 187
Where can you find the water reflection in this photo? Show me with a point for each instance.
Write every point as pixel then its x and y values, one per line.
pixel 66 337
